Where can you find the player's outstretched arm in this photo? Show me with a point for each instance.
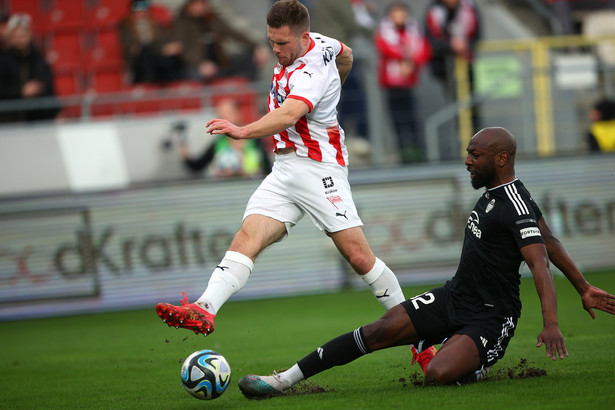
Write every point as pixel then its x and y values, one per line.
pixel 535 255
pixel 591 296
pixel 272 123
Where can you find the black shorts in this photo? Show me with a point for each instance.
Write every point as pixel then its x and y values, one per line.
pixel 436 318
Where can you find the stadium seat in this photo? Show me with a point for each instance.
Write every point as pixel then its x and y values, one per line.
pixel 145 99
pixel 107 80
pixel 105 49
pixel 185 95
pixel 68 82
pixel 106 13
pixel 60 15
pixel 69 85
pixel 103 83
pixel 64 50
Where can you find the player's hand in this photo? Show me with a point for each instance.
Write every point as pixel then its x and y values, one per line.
pixel 594 297
pixel 219 126
pixel 554 342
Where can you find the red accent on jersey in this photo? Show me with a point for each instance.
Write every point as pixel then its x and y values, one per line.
pixel 312 44
pixel 305 100
pixel 313 148
pixel 285 140
pixel 335 140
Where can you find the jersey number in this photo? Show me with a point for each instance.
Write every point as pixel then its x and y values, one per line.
pixel 425 298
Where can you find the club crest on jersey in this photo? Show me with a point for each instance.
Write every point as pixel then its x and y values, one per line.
pixel 473 222
pixel 333 199
pixel 490 206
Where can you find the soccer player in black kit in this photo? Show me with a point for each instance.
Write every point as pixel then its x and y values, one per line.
pixel 474 314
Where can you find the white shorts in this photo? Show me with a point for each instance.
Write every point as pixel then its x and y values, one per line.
pixel 298 185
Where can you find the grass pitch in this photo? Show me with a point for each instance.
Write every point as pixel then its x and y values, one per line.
pixel 130 360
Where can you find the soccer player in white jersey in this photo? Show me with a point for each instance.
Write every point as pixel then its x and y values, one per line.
pixel 309 176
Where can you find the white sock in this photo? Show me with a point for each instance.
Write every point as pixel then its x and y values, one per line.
pixel 384 285
pixel 227 279
pixel 293 375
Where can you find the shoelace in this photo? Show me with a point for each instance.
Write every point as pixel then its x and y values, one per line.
pixel 280 379
pixel 184 301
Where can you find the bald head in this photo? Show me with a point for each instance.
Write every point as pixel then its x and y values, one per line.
pixel 496 139
pixel 491 157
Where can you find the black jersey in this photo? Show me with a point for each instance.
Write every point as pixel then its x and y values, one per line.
pixel 504 220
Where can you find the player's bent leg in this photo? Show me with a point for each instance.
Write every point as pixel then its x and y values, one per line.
pixel 394 328
pixel 257 232
pixel 354 247
pixel 457 357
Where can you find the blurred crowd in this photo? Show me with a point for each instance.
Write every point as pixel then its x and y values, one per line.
pixel 140 42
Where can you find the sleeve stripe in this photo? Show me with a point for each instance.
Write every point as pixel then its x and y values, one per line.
pixel 515 198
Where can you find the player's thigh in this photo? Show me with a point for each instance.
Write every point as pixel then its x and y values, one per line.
pixel 430 314
pixel 394 328
pixel 457 357
pixel 256 233
pixel 273 197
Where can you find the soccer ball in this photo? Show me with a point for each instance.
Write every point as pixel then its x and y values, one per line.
pixel 206 374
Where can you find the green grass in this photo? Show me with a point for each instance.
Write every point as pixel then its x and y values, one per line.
pixel 130 360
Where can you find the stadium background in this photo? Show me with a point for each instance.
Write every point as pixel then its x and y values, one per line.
pixel 97 213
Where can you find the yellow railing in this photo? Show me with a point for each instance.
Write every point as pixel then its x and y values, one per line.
pixel 540 49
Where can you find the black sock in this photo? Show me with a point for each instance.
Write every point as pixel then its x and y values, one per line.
pixel 341 350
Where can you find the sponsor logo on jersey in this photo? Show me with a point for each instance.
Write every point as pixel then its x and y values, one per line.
pixel 344 214
pixel 327 54
pixel 473 222
pixel 328 182
pixel 310 74
pixel 527 232
pixel 490 205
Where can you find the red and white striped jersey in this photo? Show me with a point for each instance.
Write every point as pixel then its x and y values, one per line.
pixel 312 78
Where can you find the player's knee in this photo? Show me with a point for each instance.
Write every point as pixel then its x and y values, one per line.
pixel 360 261
pixel 382 333
pixel 435 374
pixel 376 334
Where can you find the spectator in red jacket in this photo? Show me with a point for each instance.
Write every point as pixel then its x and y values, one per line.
pixel 452 28
pixel 403 51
